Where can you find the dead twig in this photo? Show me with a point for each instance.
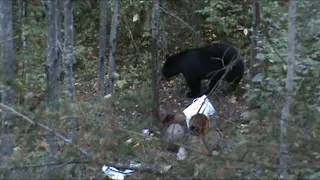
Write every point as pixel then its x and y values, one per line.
pixel 179 19
pixel 131 35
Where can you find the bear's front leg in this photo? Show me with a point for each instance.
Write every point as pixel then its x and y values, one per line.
pixel 214 83
pixel 195 88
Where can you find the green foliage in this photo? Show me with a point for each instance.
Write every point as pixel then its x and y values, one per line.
pixel 219 13
pixel 227 19
pixel 128 111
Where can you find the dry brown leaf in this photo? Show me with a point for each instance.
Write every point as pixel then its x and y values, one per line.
pixel 44 145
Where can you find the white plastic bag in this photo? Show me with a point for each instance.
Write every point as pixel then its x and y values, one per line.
pixel 116 174
pixel 201 102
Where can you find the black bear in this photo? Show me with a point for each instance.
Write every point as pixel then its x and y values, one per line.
pixel 207 62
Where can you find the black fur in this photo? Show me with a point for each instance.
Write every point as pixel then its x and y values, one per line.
pixel 207 62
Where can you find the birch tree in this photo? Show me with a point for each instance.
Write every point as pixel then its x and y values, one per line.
pixel 67 58
pixel 59 9
pixel 113 43
pixel 283 159
pixel 154 53
pixel 68 49
pixel 8 77
pixel 52 69
pixel 102 45
pixel 254 37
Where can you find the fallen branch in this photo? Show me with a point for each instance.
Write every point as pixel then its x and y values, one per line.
pixel 63 164
pixel 72 161
pixel 42 126
pixel 35 123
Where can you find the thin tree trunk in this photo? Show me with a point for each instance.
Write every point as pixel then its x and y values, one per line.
pixel 8 77
pixel 59 8
pixel 254 37
pixel 283 159
pixel 154 53
pixel 113 43
pixel 195 19
pixel 23 10
pixel 68 71
pixel 67 59
pixel 52 70
pixel 102 45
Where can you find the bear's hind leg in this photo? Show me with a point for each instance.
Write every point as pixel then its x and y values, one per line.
pixel 195 88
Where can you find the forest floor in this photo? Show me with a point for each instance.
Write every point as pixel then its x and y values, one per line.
pixel 230 118
pixel 229 108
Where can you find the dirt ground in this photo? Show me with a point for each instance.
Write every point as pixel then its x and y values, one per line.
pixel 228 107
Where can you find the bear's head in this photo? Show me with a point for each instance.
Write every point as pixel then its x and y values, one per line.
pixel 171 67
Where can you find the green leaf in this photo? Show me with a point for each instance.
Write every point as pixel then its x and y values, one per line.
pixel 121 83
pixel 257 78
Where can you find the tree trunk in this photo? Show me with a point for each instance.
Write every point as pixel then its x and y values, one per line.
pixel 254 37
pixel 154 53
pixel 52 69
pixel 8 75
pixel 195 19
pixel 67 59
pixel 59 9
pixel 23 15
pixel 102 45
pixel 283 159
pixel 113 43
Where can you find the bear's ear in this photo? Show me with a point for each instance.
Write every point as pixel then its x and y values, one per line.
pixel 167 56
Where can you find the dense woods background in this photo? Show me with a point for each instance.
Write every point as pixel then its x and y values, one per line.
pixel 81 79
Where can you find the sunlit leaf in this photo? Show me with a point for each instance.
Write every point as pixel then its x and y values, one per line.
pixel 135 18
pixel 245 31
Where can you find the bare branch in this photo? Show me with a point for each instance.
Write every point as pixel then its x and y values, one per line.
pixel 271 43
pixel 10 39
pixel 43 126
pixel 35 123
pixel 179 19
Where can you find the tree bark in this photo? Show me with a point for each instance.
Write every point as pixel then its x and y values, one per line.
pixel 155 60
pixel 113 43
pixel 68 49
pixel 254 37
pixel 8 77
pixel 102 45
pixel 23 15
pixel 59 9
pixel 67 59
pixel 283 159
pixel 52 69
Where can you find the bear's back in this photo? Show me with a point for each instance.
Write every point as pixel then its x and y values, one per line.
pixel 217 52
